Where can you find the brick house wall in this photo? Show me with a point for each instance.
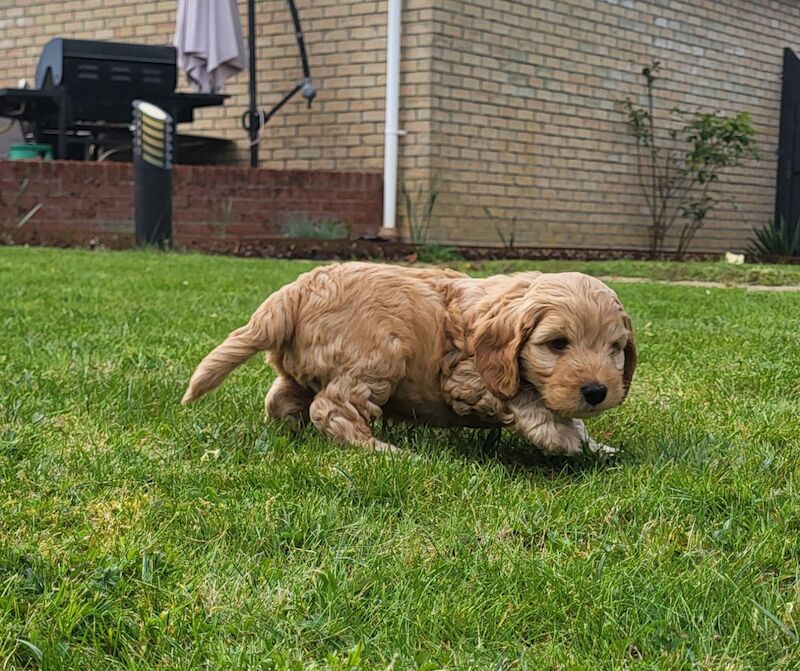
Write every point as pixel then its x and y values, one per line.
pixel 527 124
pixel 345 42
pixel 55 202
pixel 508 105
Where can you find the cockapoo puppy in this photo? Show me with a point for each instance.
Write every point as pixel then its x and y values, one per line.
pixel 357 341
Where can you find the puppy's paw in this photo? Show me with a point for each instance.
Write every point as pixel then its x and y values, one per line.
pixel 600 450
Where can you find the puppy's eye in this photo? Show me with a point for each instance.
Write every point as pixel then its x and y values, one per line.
pixel 559 344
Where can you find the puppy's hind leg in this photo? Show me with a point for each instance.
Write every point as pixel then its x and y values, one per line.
pixel 342 411
pixel 287 401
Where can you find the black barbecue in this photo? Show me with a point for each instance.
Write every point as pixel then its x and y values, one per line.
pixel 84 91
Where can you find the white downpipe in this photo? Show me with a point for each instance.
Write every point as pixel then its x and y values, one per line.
pixel 391 129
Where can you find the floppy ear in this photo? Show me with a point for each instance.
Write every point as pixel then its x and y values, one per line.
pixel 500 333
pixel 630 356
pixel 630 349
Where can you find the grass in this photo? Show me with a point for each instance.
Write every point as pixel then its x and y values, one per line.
pixel 751 273
pixel 138 534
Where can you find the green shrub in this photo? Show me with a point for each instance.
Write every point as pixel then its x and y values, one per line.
pixel 438 254
pixel 771 240
pixel 304 227
pixel 419 211
pixel 678 167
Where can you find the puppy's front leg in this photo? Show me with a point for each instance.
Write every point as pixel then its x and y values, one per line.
pixel 552 434
pixel 593 445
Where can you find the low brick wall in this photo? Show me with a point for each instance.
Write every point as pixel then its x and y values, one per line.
pixel 64 202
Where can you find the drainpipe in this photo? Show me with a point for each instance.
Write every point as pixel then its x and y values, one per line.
pixel 391 129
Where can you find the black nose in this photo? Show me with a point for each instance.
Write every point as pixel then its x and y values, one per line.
pixel 594 393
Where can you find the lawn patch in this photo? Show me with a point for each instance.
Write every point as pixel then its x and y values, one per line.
pixel 136 533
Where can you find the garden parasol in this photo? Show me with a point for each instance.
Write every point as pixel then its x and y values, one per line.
pixel 254 119
pixel 208 37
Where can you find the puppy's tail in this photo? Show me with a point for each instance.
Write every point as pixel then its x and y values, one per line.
pixel 270 326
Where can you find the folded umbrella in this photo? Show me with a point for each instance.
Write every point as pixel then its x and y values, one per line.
pixel 208 37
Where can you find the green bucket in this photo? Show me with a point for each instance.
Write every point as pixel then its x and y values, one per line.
pixel 18 152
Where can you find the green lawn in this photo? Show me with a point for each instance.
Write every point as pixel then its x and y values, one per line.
pixel 765 275
pixel 136 533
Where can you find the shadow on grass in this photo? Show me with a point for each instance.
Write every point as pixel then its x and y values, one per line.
pixel 492 445
pixel 483 446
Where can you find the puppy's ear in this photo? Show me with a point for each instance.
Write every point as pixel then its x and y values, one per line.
pixel 630 349
pixel 630 356
pixel 500 333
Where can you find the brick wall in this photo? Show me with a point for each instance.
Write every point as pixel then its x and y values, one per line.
pixel 525 120
pixel 484 126
pixel 345 40
pixel 508 105
pixel 80 201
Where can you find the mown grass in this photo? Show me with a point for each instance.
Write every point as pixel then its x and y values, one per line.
pixel 727 273
pixel 139 534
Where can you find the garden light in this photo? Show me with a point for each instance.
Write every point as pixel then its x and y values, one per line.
pixel 153 152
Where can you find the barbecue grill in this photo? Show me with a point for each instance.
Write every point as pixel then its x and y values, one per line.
pixel 85 89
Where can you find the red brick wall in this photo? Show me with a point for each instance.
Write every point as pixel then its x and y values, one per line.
pixel 80 201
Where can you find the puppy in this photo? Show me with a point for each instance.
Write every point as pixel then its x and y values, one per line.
pixel 357 341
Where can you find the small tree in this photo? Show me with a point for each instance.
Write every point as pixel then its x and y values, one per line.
pixel 677 181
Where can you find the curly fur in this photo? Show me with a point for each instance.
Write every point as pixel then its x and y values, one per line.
pixel 357 341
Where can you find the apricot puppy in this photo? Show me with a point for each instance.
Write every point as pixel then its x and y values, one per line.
pixel 356 341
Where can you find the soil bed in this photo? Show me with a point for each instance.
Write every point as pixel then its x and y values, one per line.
pixel 364 249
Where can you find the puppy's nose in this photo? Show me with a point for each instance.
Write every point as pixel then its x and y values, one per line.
pixel 594 393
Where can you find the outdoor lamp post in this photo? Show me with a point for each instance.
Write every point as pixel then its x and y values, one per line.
pixel 153 152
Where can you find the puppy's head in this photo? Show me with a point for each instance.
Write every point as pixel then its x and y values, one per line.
pixel 567 335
